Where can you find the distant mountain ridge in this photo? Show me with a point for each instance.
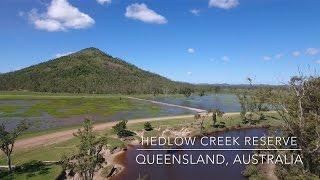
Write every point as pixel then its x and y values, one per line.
pixel 87 71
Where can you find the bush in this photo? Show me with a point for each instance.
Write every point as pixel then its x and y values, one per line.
pixel 121 129
pixel 293 172
pixel 114 143
pixel 186 92
pixel 28 170
pixel 120 126
pixel 125 133
pixel 148 126
pixel 251 170
pixel 219 125
pixel 107 171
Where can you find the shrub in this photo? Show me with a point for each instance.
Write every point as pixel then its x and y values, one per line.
pixel 125 133
pixel 107 171
pixel 148 126
pixel 121 129
pixel 219 125
pixel 251 170
pixel 186 92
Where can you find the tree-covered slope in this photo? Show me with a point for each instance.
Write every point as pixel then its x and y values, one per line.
pixel 87 71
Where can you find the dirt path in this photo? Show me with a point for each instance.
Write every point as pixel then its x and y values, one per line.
pixel 61 136
pixel 53 138
pixel 167 104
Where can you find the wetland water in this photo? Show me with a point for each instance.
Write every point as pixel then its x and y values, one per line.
pixel 224 102
pixel 133 171
pixel 56 115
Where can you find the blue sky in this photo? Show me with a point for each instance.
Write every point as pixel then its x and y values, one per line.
pixel 198 41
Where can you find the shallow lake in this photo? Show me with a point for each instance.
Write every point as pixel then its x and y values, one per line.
pixel 44 120
pixel 224 102
pixel 187 172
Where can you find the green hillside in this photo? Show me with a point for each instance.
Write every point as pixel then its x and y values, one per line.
pixel 87 71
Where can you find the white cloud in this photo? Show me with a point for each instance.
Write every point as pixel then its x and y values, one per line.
pixel 225 59
pixel 191 50
pixel 224 4
pixel 296 53
pixel 195 11
pixel 317 62
pixel 189 73
pixel 104 1
pixel 312 51
pixel 60 16
pixel 143 13
pixel 63 54
pixel 278 56
pixel 266 58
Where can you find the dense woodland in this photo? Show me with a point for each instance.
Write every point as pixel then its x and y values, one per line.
pixel 93 71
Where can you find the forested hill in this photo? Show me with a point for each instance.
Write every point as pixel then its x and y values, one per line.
pixel 87 71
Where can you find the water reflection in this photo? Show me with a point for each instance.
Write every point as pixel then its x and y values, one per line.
pixel 186 172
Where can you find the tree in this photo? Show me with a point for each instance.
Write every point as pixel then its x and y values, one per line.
pixel 202 93
pixel 121 129
pixel 88 159
pixel 253 102
pixel 201 117
pixel 156 91
pixel 242 99
pixel 7 139
pixel 299 109
pixel 215 113
pixel 148 126
pixel 186 91
pixel 260 100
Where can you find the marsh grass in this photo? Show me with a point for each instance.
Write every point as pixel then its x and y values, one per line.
pixel 8 109
pixel 65 106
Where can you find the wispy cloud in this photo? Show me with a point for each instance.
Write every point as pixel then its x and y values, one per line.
pixel 296 53
pixel 266 58
pixel 225 59
pixel 195 11
pixel 189 73
pixel 312 51
pixel 224 4
pixel 317 62
pixel 191 50
pixel 278 56
pixel 60 16
pixel 104 1
pixel 143 13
